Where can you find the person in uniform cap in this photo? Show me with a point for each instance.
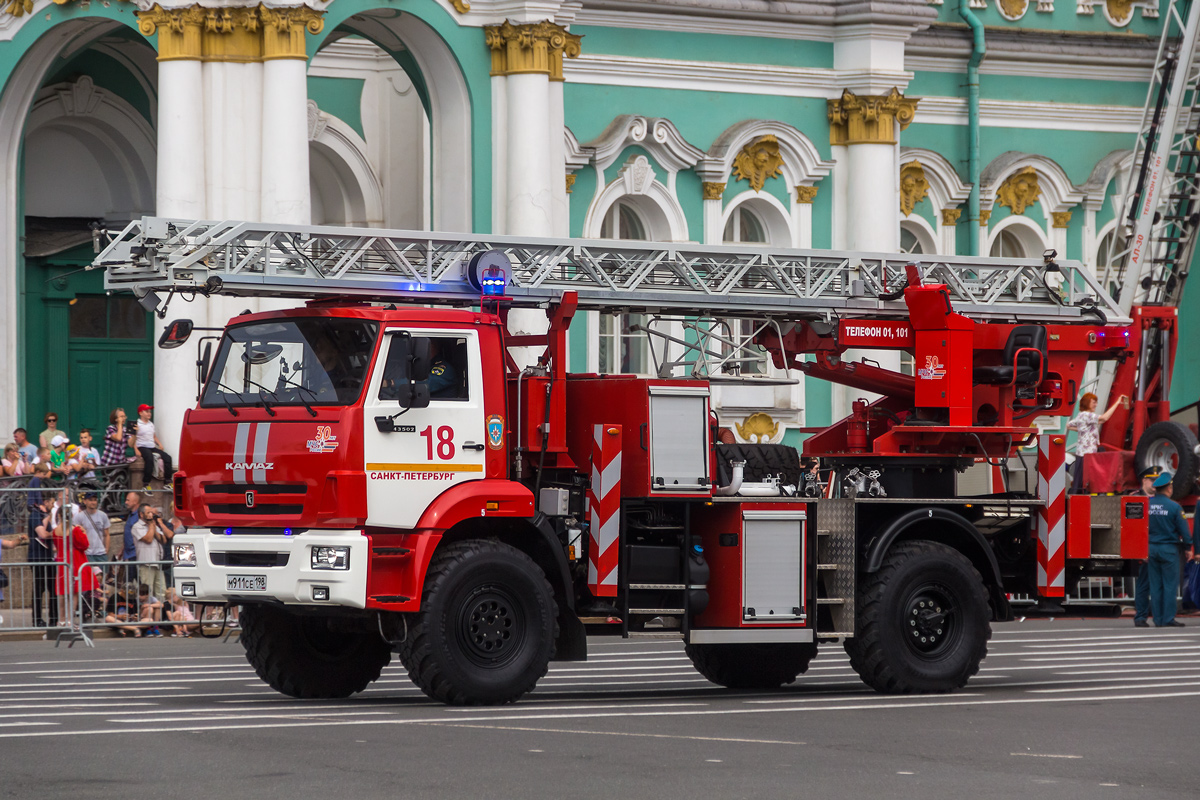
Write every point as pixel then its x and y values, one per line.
pixel 443 378
pixel 1168 529
pixel 1141 594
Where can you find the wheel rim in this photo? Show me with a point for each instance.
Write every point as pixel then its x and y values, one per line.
pixel 1163 455
pixel 931 624
pixel 491 627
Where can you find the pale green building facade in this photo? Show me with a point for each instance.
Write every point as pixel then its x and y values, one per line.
pixel 796 123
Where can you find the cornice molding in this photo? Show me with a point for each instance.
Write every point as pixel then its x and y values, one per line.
pixel 1027 114
pixel 658 136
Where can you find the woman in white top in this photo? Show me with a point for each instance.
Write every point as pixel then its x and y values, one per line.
pixel 1087 424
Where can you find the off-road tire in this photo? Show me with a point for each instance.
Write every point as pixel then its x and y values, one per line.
pixel 486 629
pixel 304 656
pixel 1157 441
pixel 762 461
pixel 751 666
pixel 884 650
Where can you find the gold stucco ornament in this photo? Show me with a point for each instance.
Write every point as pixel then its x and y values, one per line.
pixel 758 427
pixel 1020 190
pixel 758 161
pixel 1119 11
pixel 1013 9
pixel 913 186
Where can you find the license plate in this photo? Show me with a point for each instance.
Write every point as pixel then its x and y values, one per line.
pixel 246 583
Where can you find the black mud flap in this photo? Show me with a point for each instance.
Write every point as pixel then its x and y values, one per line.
pixel 571 644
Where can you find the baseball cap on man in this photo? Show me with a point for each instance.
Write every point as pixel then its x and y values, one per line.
pixel 145 407
pixel 58 441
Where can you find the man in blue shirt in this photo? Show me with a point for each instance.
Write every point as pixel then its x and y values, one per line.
pixel 133 502
pixel 1168 530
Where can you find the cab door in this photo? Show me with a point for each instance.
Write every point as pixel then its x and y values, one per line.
pixel 430 449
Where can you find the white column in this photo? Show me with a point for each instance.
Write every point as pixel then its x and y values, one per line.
pixel 873 222
pixel 558 159
pixel 530 195
pixel 285 184
pixel 180 193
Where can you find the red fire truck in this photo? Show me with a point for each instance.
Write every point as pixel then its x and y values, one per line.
pixel 388 469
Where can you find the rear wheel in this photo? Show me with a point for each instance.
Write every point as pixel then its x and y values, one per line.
pixel 310 657
pixel 922 623
pixel 486 629
pixel 1171 447
pixel 751 666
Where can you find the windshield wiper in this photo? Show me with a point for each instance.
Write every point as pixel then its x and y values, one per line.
pixel 287 382
pixel 263 401
pixel 228 405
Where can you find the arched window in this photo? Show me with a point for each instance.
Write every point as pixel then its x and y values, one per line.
pixel 745 226
pixel 909 243
pixel 1007 244
pixel 623 349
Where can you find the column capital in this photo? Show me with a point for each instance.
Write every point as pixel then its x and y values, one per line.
pixel 805 195
pixel 233 34
pixel 179 31
pixel 713 190
pixel 950 216
pixel 283 30
pixel 1061 219
pixel 869 119
pixel 530 48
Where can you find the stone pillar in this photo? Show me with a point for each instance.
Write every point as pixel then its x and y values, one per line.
pixel 180 190
pixel 527 74
pixel 866 128
pixel 714 193
pixel 285 184
pixel 529 57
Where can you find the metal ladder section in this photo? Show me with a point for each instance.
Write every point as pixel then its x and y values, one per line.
pixel 1160 204
pixel 240 258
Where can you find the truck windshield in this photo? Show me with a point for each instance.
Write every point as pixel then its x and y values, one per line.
pixel 319 361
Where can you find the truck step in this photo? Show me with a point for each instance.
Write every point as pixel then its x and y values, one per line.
pixel 390 598
pixel 833 634
pixel 600 620
pixel 655 634
pixel 827 566
pixel 656 612
pixel 830 601
pixel 660 586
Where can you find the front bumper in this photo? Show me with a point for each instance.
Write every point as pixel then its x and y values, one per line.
pixel 291 583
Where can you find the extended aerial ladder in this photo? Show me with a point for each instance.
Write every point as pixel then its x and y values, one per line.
pixel 1158 221
pixel 254 259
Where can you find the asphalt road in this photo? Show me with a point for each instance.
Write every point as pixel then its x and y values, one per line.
pixel 1063 708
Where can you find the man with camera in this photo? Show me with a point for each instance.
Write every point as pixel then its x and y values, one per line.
pixel 150 534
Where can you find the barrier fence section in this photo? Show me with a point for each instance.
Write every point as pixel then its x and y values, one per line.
pixel 48 581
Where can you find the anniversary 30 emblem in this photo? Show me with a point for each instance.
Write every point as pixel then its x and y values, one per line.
pixel 325 442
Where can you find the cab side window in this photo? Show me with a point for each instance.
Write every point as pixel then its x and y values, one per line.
pixel 447 368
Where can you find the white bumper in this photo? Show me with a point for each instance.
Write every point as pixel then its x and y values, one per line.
pixel 292 583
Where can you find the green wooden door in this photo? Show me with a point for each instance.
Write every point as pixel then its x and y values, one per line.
pixel 110 360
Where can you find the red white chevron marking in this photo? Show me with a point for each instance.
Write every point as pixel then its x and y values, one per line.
pixel 1052 534
pixel 604 505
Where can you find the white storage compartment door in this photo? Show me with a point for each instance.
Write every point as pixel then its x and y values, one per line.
pixel 773 565
pixel 678 438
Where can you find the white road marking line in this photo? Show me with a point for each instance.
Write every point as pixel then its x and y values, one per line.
pixel 1115 687
pixel 1062 659
pixel 1043 755
pixel 618 733
pixel 1123 640
pixel 506 709
pixel 124 683
pixel 21 725
pixel 883 698
pixel 607 715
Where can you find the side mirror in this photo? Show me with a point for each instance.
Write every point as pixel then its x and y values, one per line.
pixel 202 367
pixel 418 365
pixel 263 354
pixel 175 334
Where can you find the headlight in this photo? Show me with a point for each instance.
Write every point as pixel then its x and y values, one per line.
pixel 331 558
pixel 185 555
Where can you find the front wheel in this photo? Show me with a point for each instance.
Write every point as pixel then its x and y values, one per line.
pixel 923 623
pixel 486 629
pixel 310 657
pixel 751 666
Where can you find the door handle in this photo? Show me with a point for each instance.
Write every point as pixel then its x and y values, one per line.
pixel 471 446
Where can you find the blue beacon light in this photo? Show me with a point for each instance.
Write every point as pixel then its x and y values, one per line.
pixel 492 282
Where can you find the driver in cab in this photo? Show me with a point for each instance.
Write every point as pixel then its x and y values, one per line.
pixel 324 382
pixel 443 378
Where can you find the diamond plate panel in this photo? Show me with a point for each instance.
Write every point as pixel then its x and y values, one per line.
pixel 1106 525
pixel 836 545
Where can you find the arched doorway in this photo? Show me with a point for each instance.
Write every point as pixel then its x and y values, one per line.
pixel 78 118
pixel 412 119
